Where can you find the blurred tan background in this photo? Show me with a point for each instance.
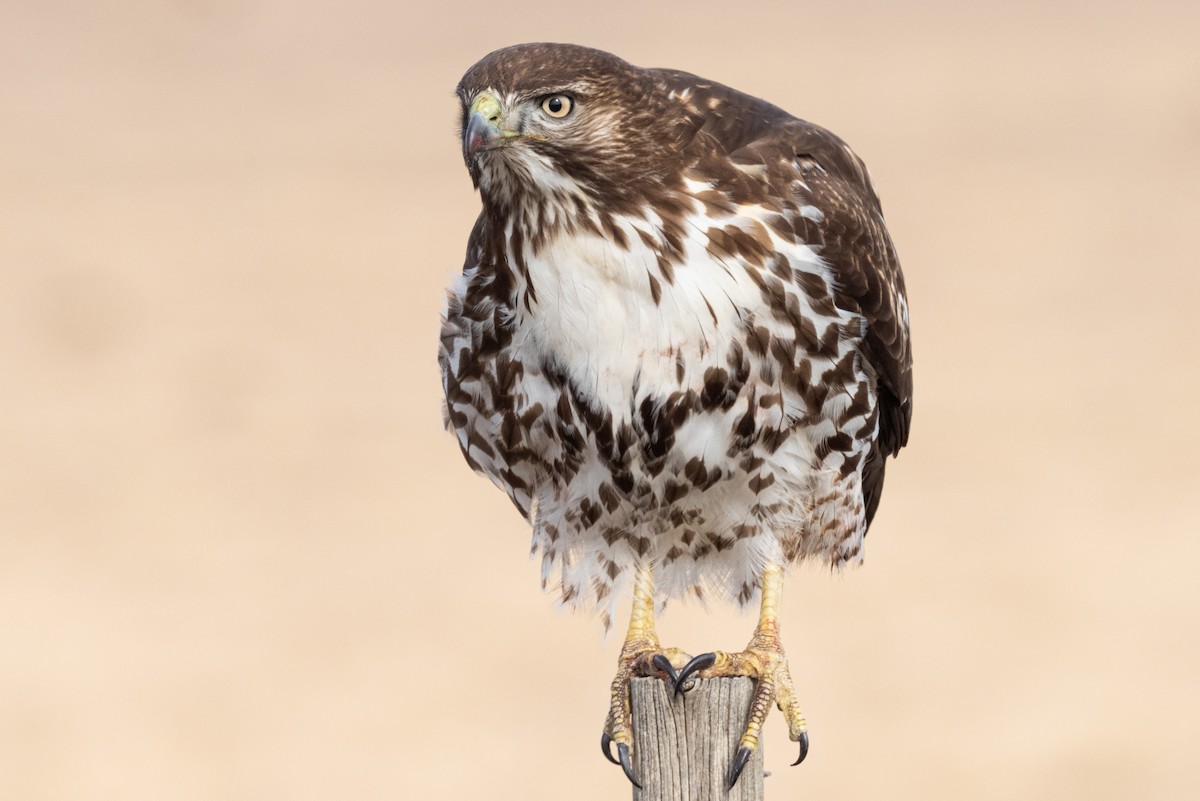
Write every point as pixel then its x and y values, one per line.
pixel 240 560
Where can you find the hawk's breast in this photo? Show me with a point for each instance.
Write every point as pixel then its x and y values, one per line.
pixel 626 322
pixel 664 392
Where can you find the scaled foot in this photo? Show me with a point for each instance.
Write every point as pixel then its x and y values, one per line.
pixel 640 657
pixel 764 661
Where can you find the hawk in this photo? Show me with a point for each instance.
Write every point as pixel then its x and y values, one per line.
pixel 679 343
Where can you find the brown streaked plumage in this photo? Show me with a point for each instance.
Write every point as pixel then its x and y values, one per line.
pixel 679 343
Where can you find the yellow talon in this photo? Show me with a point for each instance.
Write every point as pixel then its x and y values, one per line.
pixel 641 655
pixel 764 661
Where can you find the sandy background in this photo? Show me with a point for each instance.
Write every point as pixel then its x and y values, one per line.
pixel 240 560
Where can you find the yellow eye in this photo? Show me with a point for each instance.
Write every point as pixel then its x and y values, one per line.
pixel 557 106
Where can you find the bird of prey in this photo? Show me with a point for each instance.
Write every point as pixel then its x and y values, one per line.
pixel 679 343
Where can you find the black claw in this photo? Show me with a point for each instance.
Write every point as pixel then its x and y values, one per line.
pixel 664 664
pixel 739 763
pixel 698 663
pixel 606 747
pixel 803 748
pixel 626 765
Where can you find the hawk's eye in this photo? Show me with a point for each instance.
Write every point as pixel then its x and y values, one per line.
pixel 557 106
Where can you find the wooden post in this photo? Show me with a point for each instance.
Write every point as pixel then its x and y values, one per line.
pixel 684 745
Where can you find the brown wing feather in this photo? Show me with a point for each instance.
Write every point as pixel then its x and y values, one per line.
pixel 854 240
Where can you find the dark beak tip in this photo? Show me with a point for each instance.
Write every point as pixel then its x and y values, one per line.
pixel 478 134
pixel 471 145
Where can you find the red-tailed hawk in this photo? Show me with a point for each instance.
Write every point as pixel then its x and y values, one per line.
pixel 679 343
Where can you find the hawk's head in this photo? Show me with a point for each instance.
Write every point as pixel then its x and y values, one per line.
pixel 566 126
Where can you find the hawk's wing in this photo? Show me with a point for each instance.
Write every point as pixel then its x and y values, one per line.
pixel 851 238
pixel 856 245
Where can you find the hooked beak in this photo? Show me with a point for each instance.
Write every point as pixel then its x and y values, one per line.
pixel 483 125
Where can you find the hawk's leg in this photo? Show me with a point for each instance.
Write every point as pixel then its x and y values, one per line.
pixel 764 661
pixel 641 655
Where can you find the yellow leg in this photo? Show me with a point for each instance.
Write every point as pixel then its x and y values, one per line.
pixel 641 655
pixel 764 661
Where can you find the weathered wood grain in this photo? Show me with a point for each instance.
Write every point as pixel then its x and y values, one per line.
pixel 683 746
